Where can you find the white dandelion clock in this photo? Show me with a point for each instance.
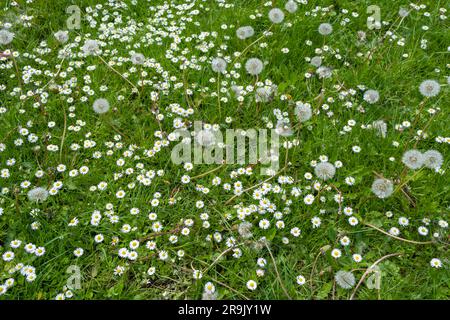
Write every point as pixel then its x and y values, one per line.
pixel 433 159
pixel 138 58
pixel 245 32
pixel 205 138
pixel 413 159
pixel 382 188
pixel 345 279
pixel 371 96
pixel 324 72
pixel 303 112
pixel 276 15
pixel 291 6
pixel 381 127
pixel 38 194
pixel 218 65
pixel 325 170
pixel 283 129
pixel 316 61
pixel 430 88
pixel 90 47
pixel 6 37
pixel 101 106
pixel 325 29
pixel 254 66
pixel 62 36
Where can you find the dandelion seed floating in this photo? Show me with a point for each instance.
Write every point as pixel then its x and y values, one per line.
pixel 254 66
pixel 101 106
pixel 325 170
pixel 6 37
pixel 38 194
pixel 345 279
pixel 382 188
pixel 429 88
pixel 413 159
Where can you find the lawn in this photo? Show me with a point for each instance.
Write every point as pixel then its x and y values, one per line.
pixel 96 95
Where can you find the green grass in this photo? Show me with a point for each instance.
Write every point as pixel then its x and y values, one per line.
pixel 397 78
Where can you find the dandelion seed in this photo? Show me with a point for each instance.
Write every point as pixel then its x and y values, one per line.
pixel 413 159
pixel 345 279
pixel 254 66
pixel 325 170
pixel 101 106
pixel 382 188
pixel 429 88
pixel 38 194
pixel 276 15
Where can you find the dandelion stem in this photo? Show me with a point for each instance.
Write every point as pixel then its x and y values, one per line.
pixel 370 270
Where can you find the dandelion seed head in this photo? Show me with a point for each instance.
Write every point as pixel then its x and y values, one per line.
pixel 6 37
pixel 413 159
pixel 38 194
pixel 325 170
pixel 62 36
pixel 138 58
pixel 101 106
pixel 245 32
pixel 345 279
pixel 325 29
pixel 276 15
pixel 218 65
pixel 382 188
pixel 91 47
pixel 291 6
pixel 303 112
pixel 430 88
pixel 254 66
pixel 432 159
pixel 371 96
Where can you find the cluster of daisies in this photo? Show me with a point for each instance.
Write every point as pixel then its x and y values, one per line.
pixel 76 102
